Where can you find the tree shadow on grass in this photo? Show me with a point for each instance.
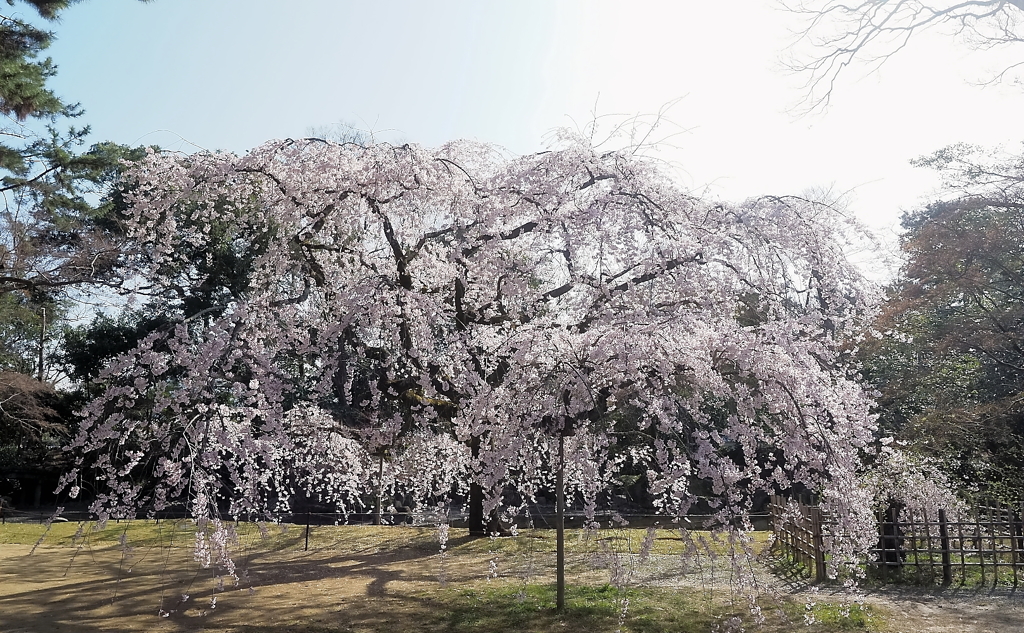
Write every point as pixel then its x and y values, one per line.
pixel 106 589
pixel 317 592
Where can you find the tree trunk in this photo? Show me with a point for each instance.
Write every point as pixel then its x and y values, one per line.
pixel 476 498
pixel 475 519
pixel 476 510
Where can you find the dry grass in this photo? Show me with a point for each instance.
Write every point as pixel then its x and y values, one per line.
pixel 361 579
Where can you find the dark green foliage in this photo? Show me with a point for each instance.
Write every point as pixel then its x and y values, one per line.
pixel 86 350
pixel 23 91
pixel 59 230
pixel 47 8
pixel 948 358
pixel 52 232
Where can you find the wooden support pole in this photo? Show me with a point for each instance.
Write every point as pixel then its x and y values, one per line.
pixel 947 567
pixel 818 545
pixel 560 527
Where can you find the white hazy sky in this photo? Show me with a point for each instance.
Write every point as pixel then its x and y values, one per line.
pixel 230 74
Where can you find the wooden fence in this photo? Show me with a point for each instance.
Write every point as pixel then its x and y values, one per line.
pixel 799 533
pixel 983 546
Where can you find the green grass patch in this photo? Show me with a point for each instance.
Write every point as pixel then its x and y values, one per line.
pixel 848 617
pixel 365 538
pixel 836 617
pixel 506 609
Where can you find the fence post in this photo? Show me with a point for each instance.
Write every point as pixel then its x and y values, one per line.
pixel 1018 530
pixel 947 568
pixel 819 545
pixel 883 556
pixel 1015 544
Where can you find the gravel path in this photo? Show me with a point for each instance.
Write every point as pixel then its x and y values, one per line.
pixel 908 609
pixel 942 611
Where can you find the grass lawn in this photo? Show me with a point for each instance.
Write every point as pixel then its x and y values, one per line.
pixel 142 576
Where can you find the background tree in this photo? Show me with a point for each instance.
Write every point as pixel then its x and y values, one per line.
pixel 58 228
pixel 341 132
pixel 949 358
pixel 839 34
pixel 52 235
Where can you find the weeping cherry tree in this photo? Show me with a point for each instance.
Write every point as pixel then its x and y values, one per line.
pixel 435 321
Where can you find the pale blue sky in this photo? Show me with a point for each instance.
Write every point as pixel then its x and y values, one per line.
pixel 230 74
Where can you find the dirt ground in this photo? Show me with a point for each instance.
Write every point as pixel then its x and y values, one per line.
pixel 944 611
pixel 64 589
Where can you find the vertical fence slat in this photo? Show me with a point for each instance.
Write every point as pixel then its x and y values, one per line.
pixel 929 523
pixel 963 554
pixel 883 558
pixel 995 545
pixel 979 543
pixel 915 541
pixel 1013 548
pixel 1018 529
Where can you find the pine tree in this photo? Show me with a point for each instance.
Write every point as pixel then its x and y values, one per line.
pixel 55 239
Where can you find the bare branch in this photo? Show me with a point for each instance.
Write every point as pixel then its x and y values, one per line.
pixel 837 34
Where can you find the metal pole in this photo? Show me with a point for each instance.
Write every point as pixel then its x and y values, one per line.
pixel 380 491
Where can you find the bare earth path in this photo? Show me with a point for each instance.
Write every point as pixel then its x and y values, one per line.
pixel 950 611
pixel 928 610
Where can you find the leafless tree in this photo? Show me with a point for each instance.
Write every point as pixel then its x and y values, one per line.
pixel 835 34
pixel 25 412
pixel 341 132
